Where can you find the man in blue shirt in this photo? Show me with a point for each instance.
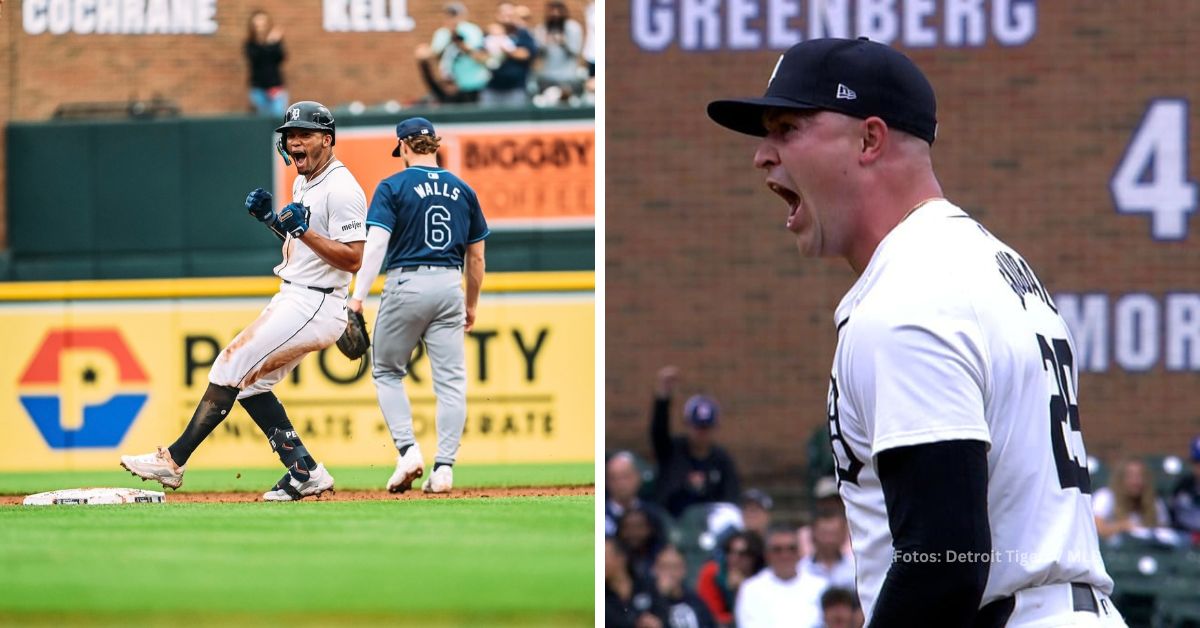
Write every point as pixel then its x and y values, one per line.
pixel 509 53
pixel 423 223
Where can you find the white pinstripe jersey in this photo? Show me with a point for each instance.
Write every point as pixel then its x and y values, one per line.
pixel 949 335
pixel 337 209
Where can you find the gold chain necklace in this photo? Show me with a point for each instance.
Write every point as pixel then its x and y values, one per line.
pixel 919 206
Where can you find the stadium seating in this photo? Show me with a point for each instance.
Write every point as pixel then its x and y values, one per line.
pixel 649 475
pixel 1155 584
pixel 695 538
pixel 1177 604
pixel 1165 471
pixel 1098 471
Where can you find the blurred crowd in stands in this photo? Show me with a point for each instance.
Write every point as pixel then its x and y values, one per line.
pixel 1147 511
pixel 509 62
pixel 687 547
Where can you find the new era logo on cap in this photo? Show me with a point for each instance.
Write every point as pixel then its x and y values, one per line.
pixel 846 93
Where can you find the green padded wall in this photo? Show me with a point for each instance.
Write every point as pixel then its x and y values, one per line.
pixel 163 198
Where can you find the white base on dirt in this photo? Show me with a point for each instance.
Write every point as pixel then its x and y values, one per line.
pixel 95 497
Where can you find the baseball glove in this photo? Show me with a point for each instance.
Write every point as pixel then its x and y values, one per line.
pixel 354 342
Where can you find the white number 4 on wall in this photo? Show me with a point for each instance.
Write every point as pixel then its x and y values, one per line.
pixel 1152 176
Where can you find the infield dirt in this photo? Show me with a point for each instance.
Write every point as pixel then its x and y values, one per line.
pixel 363 495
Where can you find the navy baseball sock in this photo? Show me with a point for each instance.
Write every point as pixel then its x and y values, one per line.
pixel 270 416
pixel 211 410
pixel 438 465
pixel 404 449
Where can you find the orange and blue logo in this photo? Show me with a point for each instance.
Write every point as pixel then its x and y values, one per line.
pixel 83 388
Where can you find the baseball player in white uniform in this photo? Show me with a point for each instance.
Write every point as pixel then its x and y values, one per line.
pixel 953 398
pixel 323 233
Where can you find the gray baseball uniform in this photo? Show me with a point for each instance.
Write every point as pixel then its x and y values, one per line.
pixel 431 216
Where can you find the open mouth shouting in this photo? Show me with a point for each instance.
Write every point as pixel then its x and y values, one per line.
pixel 300 158
pixel 794 202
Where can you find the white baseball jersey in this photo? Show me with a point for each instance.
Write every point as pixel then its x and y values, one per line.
pixel 337 209
pixel 948 335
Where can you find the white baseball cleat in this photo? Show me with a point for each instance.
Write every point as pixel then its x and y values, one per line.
pixel 409 467
pixel 440 481
pixel 157 466
pixel 289 489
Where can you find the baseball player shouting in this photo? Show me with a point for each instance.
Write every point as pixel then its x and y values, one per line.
pixel 322 232
pixel 953 401
pixel 423 220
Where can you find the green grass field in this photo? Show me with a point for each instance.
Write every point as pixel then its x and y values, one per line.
pixel 427 562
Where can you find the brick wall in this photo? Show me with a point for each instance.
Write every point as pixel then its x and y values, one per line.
pixel 207 74
pixel 701 274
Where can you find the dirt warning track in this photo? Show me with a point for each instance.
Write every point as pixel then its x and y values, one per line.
pixel 190 497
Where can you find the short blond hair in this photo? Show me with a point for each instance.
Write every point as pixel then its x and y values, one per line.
pixel 423 144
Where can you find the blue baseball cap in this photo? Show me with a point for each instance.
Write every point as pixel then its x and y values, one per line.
pixel 701 411
pixel 1196 449
pixel 409 128
pixel 855 77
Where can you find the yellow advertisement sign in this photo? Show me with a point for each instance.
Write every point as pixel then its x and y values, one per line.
pixel 87 381
pixel 525 173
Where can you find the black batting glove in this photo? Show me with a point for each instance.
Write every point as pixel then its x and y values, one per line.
pixel 293 219
pixel 258 203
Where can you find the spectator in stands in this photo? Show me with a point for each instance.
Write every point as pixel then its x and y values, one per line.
pixel 780 595
pixel 756 511
pixel 741 557
pixel 1129 504
pixel 509 50
pixel 1185 498
pixel 560 47
pixel 589 41
pixel 622 483
pixel 830 560
pixel 827 503
pixel 840 609
pixel 685 608
pixel 629 601
pixel 642 541
pixel 448 64
pixel 265 54
pixel 589 54
pixel 692 469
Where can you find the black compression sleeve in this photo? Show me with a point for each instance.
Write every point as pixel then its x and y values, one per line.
pixel 936 496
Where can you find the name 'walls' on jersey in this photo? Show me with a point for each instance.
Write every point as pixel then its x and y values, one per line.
pixel 425 189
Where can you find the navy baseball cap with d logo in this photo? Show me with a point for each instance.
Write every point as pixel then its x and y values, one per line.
pixel 409 128
pixel 856 77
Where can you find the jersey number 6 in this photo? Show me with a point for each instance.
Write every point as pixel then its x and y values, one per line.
pixel 437 227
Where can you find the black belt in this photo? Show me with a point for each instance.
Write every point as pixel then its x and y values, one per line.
pixel 1082 598
pixel 996 613
pixel 313 288
pixel 410 269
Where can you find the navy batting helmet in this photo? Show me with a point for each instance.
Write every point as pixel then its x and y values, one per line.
pixel 309 114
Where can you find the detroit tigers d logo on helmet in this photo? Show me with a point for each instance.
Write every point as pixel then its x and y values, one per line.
pixel 309 114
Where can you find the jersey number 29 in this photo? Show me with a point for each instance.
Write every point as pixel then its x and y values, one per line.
pixel 1066 440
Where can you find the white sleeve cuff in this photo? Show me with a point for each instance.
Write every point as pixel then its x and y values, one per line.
pixel 373 254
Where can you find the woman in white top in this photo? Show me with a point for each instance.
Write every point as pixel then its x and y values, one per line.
pixel 1129 504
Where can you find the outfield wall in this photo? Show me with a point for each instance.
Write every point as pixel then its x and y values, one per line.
pixel 100 368
pixel 162 199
